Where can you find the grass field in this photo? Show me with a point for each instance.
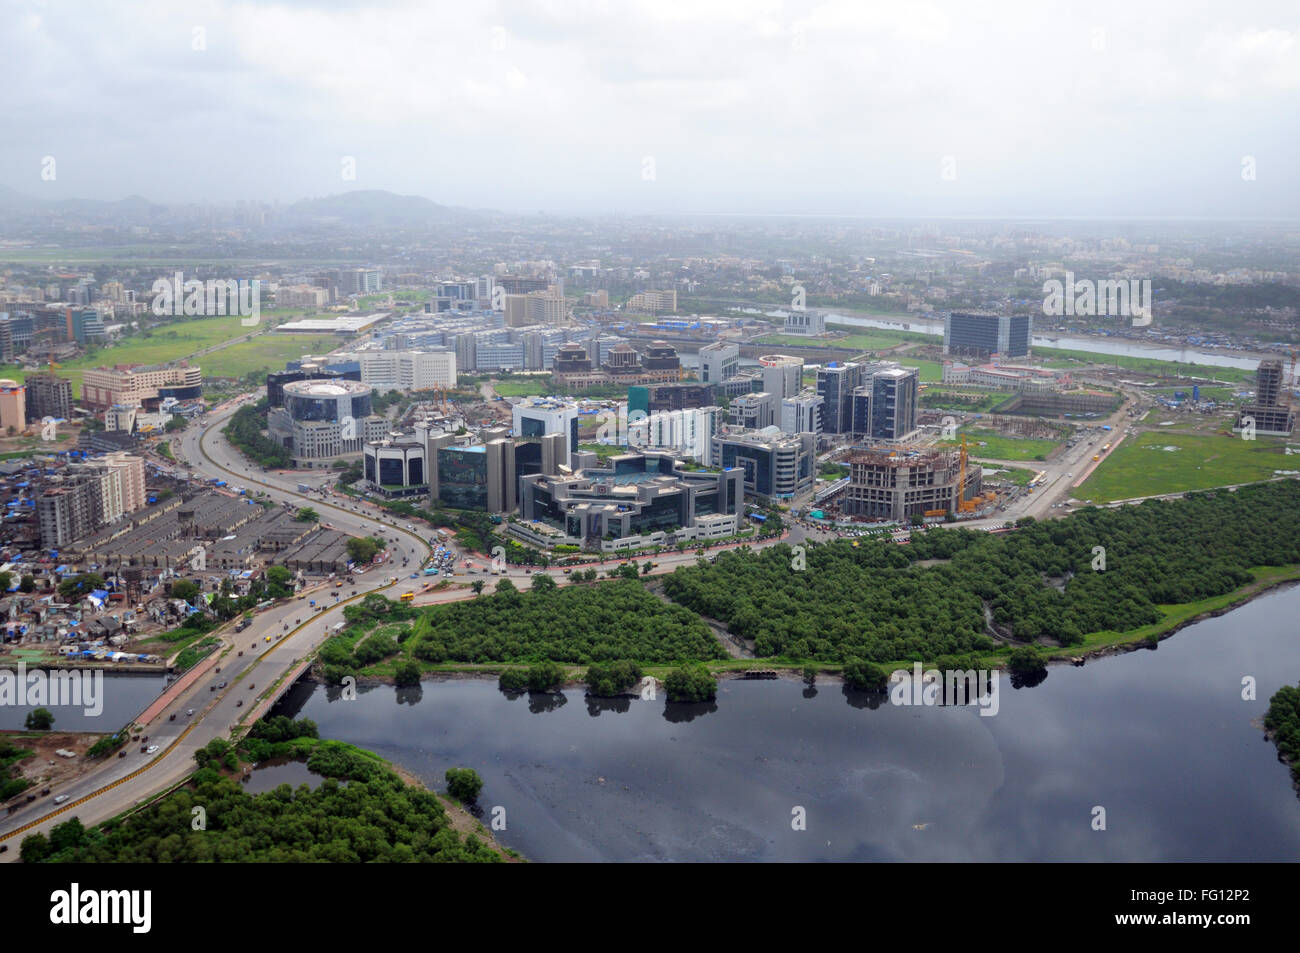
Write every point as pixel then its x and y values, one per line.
pixel 538 386
pixel 169 343
pixel 1141 467
pixel 1013 474
pixel 265 352
pixel 1058 357
pixel 1004 448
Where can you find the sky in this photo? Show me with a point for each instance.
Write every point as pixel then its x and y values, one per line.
pixel 1164 108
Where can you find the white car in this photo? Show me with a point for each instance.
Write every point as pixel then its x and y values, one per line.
pixel 151 749
pixel 60 799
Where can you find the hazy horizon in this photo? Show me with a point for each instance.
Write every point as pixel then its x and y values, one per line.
pixel 724 109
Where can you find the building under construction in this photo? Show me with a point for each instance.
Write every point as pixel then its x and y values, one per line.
pixel 899 484
pixel 1270 412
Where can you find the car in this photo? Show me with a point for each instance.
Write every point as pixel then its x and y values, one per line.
pixel 189 711
pixel 60 799
pixel 415 575
pixel 222 685
pixel 151 749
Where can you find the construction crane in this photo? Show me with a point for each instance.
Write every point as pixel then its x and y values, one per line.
pixel 963 505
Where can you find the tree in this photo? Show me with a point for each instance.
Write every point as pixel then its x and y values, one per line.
pixel 78 586
pixel 307 515
pixel 6 580
pixel 184 589
pixel 39 719
pixel 646 567
pixel 1025 661
pixel 605 680
pixel 691 683
pixel 406 674
pixel 545 677
pixel 364 549
pixel 542 583
pixel 28 583
pixel 279 582
pixel 477 586
pixel 464 784
pixel 865 675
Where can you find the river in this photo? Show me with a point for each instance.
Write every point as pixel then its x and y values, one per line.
pixel 1161 740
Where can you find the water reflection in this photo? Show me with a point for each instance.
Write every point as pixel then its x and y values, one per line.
pixel 1162 739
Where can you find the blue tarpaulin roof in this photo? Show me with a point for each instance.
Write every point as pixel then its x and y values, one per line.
pixel 100 594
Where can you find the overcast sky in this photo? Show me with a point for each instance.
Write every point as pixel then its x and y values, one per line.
pixel 856 108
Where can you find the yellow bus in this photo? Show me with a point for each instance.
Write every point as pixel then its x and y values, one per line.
pixel 406 597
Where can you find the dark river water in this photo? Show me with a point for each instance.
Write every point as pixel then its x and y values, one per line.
pixel 1161 740
pixel 123 697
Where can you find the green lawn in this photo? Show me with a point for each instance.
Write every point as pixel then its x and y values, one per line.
pixel 157 346
pixel 524 387
pixel 267 352
pixel 1141 467
pixel 1003 448
pixel 1145 364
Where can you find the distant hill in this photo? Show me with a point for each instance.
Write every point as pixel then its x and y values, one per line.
pixel 377 208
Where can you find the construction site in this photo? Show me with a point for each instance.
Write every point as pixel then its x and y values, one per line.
pixel 900 484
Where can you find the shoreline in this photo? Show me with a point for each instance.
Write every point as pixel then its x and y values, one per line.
pixel 737 668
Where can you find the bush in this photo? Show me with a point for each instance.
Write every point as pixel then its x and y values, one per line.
pixel 1025 661
pixel 513 680
pixel 406 674
pixel 607 679
pixel 868 676
pixel 691 683
pixel 545 677
pixel 463 784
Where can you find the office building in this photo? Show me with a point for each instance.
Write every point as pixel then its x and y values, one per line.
pixel 984 334
pixel 140 385
pixel 322 421
pixel 805 323
pixel 537 416
pixel 754 411
pixel 718 361
pixel 782 375
pixel 894 399
pixel 802 413
pixel 637 499
pixel 777 466
pixel 396 466
pixel 406 370
pixel 688 433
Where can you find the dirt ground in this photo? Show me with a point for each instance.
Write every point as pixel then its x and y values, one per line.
pixel 46 767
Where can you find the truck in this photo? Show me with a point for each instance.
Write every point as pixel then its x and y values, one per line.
pixel 406 597
pixel 304 487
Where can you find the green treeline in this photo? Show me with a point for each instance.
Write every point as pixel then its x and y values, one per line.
pixel 245 432
pixel 578 624
pixel 374 817
pixel 1283 723
pixel 873 602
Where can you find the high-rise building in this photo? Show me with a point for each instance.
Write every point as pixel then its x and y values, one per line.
pixel 835 385
pixel 983 334
pixel 754 411
pixel 653 302
pixel 1270 412
pixel 802 413
pixel 537 416
pixel 776 465
pixel 48 395
pixel 718 361
pixel 894 402
pixel 782 375
pixel 13 406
